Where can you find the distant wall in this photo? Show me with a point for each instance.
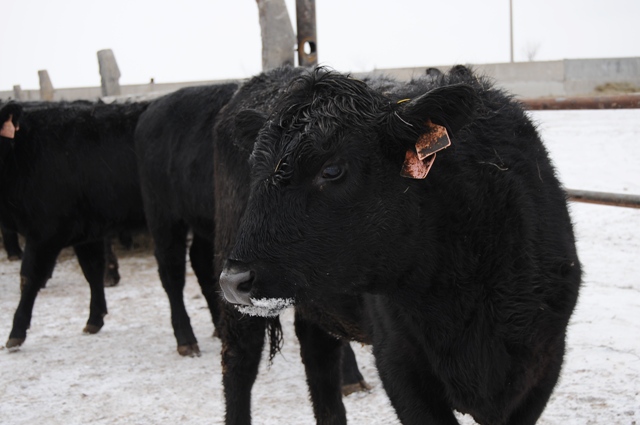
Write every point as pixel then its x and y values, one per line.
pixel 94 93
pixel 569 77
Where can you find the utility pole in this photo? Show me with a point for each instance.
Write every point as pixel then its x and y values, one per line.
pixel 307 39
pixel 511 27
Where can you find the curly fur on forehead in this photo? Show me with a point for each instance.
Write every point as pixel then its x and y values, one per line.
pixel 311 115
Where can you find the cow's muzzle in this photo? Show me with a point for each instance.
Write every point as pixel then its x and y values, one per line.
pixel 236 281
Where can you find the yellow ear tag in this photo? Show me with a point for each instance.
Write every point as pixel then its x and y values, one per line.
pixel 417 164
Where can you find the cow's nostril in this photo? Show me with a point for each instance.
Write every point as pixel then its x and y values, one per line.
pixel 246 285
pixel 236 285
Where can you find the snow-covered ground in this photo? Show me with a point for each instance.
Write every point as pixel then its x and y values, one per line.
pixel 130 373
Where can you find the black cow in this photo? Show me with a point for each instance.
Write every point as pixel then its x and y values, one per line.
pixel 243 335
pixel 68 178
pixel 10 238
pixel 463 281
pixel 174 145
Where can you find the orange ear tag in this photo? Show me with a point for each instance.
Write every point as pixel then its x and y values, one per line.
pixel 415 168
pixel 417 164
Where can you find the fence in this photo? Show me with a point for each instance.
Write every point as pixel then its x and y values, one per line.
pixel 554 79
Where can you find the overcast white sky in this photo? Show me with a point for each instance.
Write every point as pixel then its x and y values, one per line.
pixel 193 40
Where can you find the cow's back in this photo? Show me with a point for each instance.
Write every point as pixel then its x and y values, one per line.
pixel 72 166
pixel 175 148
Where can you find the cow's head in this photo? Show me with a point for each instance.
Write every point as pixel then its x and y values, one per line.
pixel 329 213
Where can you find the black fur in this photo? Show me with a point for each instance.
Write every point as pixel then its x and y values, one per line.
pixel 175 150
pixel 9 237
pixel 69 178
pixel 463 282
pixel 243 335
pixel 11 243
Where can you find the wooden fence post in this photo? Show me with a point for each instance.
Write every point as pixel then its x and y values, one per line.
pixel 46 88
pixel 17 93
pixel 109 73
pixel 278 39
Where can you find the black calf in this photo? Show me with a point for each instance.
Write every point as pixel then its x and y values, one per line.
pixel 459 267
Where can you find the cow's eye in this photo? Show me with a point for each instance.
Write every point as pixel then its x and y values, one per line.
pixel 332 172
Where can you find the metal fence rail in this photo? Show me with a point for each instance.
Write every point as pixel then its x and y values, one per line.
pixel 622 101
pixel 604 198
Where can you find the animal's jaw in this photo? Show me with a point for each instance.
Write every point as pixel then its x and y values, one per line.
pixel 265 307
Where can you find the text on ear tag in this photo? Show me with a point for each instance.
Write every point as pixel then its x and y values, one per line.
pixel 435 140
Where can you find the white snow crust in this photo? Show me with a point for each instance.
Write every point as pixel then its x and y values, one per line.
pixel 265 307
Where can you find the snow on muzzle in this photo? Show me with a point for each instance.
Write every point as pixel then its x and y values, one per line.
pixel 265 307
pixel 237 282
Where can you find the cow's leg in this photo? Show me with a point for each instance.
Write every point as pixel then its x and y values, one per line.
pixel 11 244
pixel 111 273
pixel 416 394
pixel 321 355
pixel 534 403
pixel 242 343
pixel 126 239
pixel 170 251
pixel 416 397
pixel 37 266
pixel 91 256
pixel 352 380
pixel 201 255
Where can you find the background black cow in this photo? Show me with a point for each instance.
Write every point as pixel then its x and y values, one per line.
pixel 464 281
pixel 10 239
pixel 68 178
pixel 174 143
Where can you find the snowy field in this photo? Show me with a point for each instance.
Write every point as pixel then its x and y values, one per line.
pixel 130 373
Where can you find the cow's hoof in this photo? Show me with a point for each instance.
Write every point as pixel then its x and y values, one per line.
pixel 111 275
pixel 91 329
pixel 354 388
pixel 13 344
pixel 111 281
pixel 15 257
pixel 191 350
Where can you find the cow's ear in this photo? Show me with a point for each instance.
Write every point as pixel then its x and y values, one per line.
pixel 449 106
pixel 426 124
pixel 10 119
pixel 247 126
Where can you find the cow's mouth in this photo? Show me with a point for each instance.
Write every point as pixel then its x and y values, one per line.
pixel 265 307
